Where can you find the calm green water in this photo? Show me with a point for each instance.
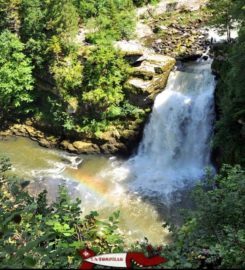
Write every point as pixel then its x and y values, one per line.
pixel 88 178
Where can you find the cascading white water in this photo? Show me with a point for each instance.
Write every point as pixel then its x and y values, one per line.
pixel 176 145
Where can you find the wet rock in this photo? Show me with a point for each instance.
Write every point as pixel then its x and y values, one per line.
pixel 6 133
pixel 64 144
pixel 118 147
pixel 110 135
pixel 71 148
pixel 86 147
pixel 28 122
pixel 31 131
pixel 45 143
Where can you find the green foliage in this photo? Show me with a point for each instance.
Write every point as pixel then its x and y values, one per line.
pixel 87 8
pixel 78 76
pixel 67 74
pixel 225 13
pixel 213 235
pixel 33 18
pixel 44 19
pixel 105 71
pixel 9 14
pixel 139 3
pixel 231 99
pixel 114 20
pixel 5 165
pixel 230 89
pixel 16 82
pixel 35 234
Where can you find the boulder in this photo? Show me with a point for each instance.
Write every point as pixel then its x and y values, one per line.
pixel 45 143
pixel 31 131
pixel 113 148
pixel 143 30
pixel 64 144
pixel 110 135
pixel 139 86
pixel 130 47
pixel 86 147
pixel 149 79
pixel 6 133
pixel 71 148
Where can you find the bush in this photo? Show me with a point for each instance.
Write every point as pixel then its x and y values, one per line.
pixel 16 83
pixel 34 234
pixel 213 234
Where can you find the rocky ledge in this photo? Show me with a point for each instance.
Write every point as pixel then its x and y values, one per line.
pixel 113 141
pixel 149 73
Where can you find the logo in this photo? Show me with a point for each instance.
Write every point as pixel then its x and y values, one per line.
pixel 122 260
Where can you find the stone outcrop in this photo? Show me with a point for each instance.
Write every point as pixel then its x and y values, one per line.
pixel 27 130
pixel 86 147
pixel 168 6
pixel 150 73
pixel 180 36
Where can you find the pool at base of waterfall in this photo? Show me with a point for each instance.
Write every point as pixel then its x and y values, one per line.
pixel 84 178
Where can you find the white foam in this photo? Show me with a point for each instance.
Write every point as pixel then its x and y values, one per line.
pixel 176 146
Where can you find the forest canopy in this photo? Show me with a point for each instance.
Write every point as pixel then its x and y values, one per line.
pixel 66 73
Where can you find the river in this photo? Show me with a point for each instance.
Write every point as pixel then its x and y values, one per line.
pixel 172 157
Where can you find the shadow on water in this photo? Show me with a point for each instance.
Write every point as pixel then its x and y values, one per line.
pixel 172 212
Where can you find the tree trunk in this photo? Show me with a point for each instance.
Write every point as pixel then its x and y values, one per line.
pixel 228 33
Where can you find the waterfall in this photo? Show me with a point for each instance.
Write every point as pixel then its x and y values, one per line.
pixel 175 150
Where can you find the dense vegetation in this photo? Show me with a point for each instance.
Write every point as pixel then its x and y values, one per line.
pixel 230 65
pixel 34 234
pixel 68 77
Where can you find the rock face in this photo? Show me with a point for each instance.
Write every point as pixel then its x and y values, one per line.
pixel 173 28
pixel 150 73
pixel 167 6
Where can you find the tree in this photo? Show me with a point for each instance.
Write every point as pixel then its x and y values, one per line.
pixel 213 234
pixel 231 102
pixel 114 20
pixel 33 14
pixel 225 13
pixel 16 82
pixel 105 71
pixel 9 14
pixel 67 74
pixel 62 20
